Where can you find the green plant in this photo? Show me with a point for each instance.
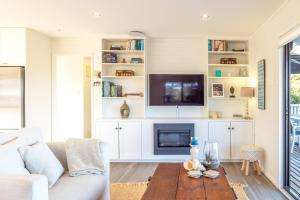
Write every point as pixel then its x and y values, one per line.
pixel 295 89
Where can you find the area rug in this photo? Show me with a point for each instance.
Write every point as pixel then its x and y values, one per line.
pixel 135 191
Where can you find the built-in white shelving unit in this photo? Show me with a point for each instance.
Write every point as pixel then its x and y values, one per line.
pixel 233 75
pixel 122 54
pixel 227 65
pixel 228 52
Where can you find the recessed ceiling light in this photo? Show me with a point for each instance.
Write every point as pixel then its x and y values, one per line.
pixel 96 14
pixel 205 16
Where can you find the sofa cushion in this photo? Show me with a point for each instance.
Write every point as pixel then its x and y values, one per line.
pixel 11 162
pixel 29 136
pixel 39 159
pixel 87 187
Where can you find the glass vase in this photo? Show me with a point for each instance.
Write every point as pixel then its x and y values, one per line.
pixel 211 154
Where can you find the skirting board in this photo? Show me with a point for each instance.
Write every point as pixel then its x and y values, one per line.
pixel 164 161
pixel 271 179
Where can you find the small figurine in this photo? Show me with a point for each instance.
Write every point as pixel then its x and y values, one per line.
pixel 232 92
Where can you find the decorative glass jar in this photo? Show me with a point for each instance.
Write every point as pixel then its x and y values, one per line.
pixel 211 154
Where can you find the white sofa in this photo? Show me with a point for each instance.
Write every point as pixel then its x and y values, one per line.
pixel 35 187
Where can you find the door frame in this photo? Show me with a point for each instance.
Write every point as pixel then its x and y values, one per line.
pixel 286 120
pixel 53 96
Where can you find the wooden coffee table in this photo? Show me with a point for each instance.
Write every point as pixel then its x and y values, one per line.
pixel 171 182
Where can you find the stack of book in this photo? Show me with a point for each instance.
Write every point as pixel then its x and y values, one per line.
pixel 110 89
pixel 109 58
pixel 217 45
pixel 135 45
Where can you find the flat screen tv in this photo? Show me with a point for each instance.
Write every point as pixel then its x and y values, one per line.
pixel 176 89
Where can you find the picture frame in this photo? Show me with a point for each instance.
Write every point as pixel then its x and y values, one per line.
pixel 261 78
pixel 217 90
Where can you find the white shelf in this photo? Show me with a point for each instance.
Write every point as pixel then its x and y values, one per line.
pixel 227 65
pixel 227 77
pixel 228 52
pixel 123 77
pixel 129 97
pixel 123 51
pixel 123 64
pixel 228 98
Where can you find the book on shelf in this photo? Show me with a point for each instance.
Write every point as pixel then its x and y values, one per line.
pixel 217 45
pixel 135 45
pixel 109 57
pixel 110 89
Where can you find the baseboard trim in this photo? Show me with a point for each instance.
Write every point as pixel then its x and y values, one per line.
pixel 271 179
pixel 166 160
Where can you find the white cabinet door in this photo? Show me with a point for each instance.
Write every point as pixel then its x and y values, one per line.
pixel 241 134
pixel 108 132
pixel 130 140
pixel 12 46
pixel 220 131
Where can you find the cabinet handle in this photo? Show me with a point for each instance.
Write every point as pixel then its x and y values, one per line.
pixel 120 128
pixel 229 128
pixel 232 128
pixel 116 128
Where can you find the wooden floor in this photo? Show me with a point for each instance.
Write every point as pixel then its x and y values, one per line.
pixel 259 187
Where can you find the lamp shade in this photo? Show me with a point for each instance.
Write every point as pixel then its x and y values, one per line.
pixel 247 92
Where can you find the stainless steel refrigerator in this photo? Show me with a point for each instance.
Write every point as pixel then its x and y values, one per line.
pixel 12 101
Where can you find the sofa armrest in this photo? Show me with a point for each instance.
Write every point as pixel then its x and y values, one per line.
pixel 27 187
pixel 104 147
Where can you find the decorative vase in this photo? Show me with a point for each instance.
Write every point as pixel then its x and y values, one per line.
pixel 211 154
pixel 124 110
pixel 194 152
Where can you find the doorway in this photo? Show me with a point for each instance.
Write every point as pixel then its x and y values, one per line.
pixel 71 97
pixel 292 118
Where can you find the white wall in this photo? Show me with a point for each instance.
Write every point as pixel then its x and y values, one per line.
pixel 38 82
pixel 264 45
pixel 177 56
pixel 76 45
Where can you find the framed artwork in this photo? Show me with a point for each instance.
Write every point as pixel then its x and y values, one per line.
pixel 261 78
pixel 217 90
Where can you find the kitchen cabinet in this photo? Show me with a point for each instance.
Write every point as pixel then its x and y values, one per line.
pixel 124 138
pixel 231 136
pixel 13 46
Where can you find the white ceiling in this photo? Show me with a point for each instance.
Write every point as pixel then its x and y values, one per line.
pixel 155 17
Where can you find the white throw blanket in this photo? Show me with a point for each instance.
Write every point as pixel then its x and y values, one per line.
pixel 84 157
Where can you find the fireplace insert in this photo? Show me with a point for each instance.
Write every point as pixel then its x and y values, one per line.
pixel 173 139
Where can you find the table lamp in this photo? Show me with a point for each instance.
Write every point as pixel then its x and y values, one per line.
pixel 247 92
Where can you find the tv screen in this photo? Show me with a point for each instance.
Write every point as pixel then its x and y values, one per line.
pixel 176 89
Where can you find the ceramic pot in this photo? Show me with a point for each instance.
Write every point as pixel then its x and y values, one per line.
pixel 124 110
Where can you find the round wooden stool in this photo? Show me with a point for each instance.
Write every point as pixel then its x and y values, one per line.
pixel 251 153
